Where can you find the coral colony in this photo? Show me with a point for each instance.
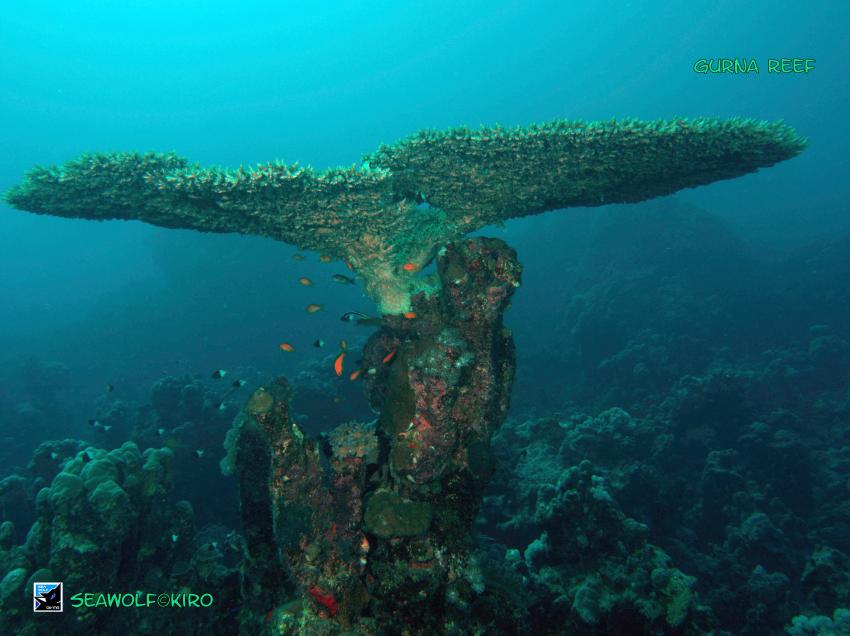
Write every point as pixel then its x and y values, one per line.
pixel 367 529
pixel 405 201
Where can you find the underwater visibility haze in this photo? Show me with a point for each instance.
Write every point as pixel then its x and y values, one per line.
pixel 425 318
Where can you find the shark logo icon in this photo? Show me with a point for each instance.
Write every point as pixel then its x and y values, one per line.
pixel 47 597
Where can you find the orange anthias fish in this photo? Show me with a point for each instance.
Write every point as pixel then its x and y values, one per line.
pixel 285 346
pixel 305 281
pixel 354 375
pixel 409 267
pixel 338 363
pixel 410 315
pixel 388 358
pixel 325 258
pixel 312 308
pixel 349 265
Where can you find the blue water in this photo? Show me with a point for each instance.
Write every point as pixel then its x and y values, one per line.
pixel 230 85
pixel 234 84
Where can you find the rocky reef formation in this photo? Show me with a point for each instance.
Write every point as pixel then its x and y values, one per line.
pixel 368 527
pixel 405 201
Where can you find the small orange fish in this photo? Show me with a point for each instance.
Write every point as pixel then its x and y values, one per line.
pixel 325 258
pixel 410 315
pixel 388 358
pixel 349 265
pixel 285 346
pixel 312 308
pixel 338 363
pixel 305 281
pixel 409 267
pixel 354 375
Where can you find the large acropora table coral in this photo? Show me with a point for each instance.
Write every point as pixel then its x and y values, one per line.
pixel 403 202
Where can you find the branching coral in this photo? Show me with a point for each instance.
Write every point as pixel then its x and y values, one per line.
pixel 406 200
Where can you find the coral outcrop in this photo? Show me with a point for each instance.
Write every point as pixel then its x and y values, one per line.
pixel 370 525
pixel 405 201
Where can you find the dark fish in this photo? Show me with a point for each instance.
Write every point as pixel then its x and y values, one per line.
pixel 355 316
pixel 298 257
pixel 319 343
pixel 218 375
pixel 238 384
pixel 342 279
pixel 93 422
pixel 109 388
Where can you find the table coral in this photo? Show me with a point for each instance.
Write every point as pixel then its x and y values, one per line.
pixel 390 214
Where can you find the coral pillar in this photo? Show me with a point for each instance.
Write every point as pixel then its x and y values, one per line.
pixel 370 525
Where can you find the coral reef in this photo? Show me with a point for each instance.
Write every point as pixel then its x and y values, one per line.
pixel 407 200
pixel 610 576
pixel 591 569
pixel 836 625
pixel 191 419
pixel 105 524
pixel 708 419
pixel 370 525
pixel 700 495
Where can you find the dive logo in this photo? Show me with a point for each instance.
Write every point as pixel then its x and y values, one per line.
pixel 47 597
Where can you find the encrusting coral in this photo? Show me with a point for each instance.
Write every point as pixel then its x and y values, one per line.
pixel 388 216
